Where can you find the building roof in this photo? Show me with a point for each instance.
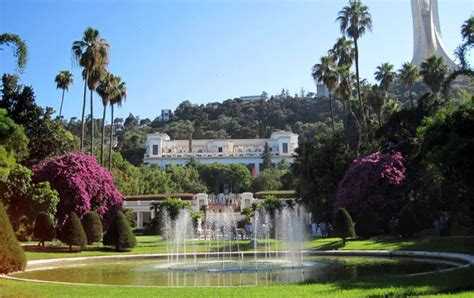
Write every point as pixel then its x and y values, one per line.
pixel 161 197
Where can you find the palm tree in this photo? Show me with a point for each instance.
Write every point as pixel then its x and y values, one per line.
pixel 119 97
pixel 385 76
pixel 434 71
pixel 92 53
pixel 355 20
pixel 409 74
pixel 63 81
pixel 325 72
pixel 106 90
pixel 343 52
pixel 21 51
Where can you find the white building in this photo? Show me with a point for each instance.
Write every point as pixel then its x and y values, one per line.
pixel 322 90
pixel 162 151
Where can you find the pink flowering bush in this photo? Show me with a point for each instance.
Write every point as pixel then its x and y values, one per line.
pixel 374 182
pixel 83 185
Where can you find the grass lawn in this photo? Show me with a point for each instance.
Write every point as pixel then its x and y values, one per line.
pixel 458 282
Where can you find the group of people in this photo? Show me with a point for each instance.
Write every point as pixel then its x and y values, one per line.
pixel 323 229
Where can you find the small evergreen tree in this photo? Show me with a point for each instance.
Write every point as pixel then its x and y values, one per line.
pixel 73 233
pixel 408 225
pixel 343 225
pixel 12 257
pixel 44 228
pixel 368 224
pixel 119 234
pixel 267 158
pixel 92 227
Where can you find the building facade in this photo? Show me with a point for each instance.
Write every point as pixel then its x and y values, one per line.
pixel 162 151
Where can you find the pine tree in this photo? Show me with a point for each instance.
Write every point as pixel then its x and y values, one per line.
pixel 44 228
pixel 92 227
pixel 267 158
pixel 12 256
pixel 73 233
pixel 343 225
pixel 119 234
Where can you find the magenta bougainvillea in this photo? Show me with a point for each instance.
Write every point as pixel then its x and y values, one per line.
pixel 373 182
pixel 83 185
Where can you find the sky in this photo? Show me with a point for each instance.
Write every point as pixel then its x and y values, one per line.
pixel 204 50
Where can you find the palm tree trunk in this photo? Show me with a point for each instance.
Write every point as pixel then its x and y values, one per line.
pixel 61 107
pixel 332 113
pixel 83 127
pixel 102 139
pixel 92 124
pixel 411 98
pixel 111 135
pixel 362 112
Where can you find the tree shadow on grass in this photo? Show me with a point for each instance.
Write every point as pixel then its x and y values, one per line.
pixel 65 249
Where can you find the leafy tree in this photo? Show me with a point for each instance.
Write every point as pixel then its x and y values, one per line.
pixel 24 199
pixel 385 76
pixel 407 223
pixel 92 227
pixel 186 179
pixel 355 20
pixel 21 51
pixel 373 182
pixel 12 256
pixel 269 179
pixel 13 144
pixel 343 225
pixel 174 206
pixel 409 74
pixel 319 166
pixel 92 54
pixel 83 185
pixel 63 81
pixel 44 228
pixel 72 233
pixel 434 71
pixel 119 234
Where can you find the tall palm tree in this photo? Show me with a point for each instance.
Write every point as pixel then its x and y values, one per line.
pixel 409 74
pixel 325 71
pixel 119 97
pixel 91 53
pixel 434 71
pixel 21 51
pixel 355 20
pixel 63 80
pixel 106 90
pixel 343 52
pixel 385 75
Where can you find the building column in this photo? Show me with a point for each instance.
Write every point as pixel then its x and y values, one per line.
pixel 139 220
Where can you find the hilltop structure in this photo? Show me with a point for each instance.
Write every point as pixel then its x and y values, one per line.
pixel 427 39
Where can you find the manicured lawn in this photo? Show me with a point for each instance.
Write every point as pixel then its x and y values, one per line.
pixel 458 282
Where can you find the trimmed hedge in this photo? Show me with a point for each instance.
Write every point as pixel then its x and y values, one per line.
pixel 343 225
pixel 12 256
pixel 73 233
pixel 119 234
pixel 368 224
pixel 92 227
pixel 44 228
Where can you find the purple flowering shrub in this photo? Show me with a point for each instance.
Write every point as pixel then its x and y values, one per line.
pixel 374 182
pixel 83 185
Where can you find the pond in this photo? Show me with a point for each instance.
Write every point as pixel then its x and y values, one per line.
pixel 240 272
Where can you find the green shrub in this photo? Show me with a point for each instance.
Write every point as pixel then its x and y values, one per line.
pixel 12 257
pixel 44 228
pixel 92 227
pixel 343 225
pixel 408 225
pixel 119 234
pixel 368 224
pixel 73 233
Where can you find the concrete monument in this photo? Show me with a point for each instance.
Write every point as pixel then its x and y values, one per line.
pixel 427 38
